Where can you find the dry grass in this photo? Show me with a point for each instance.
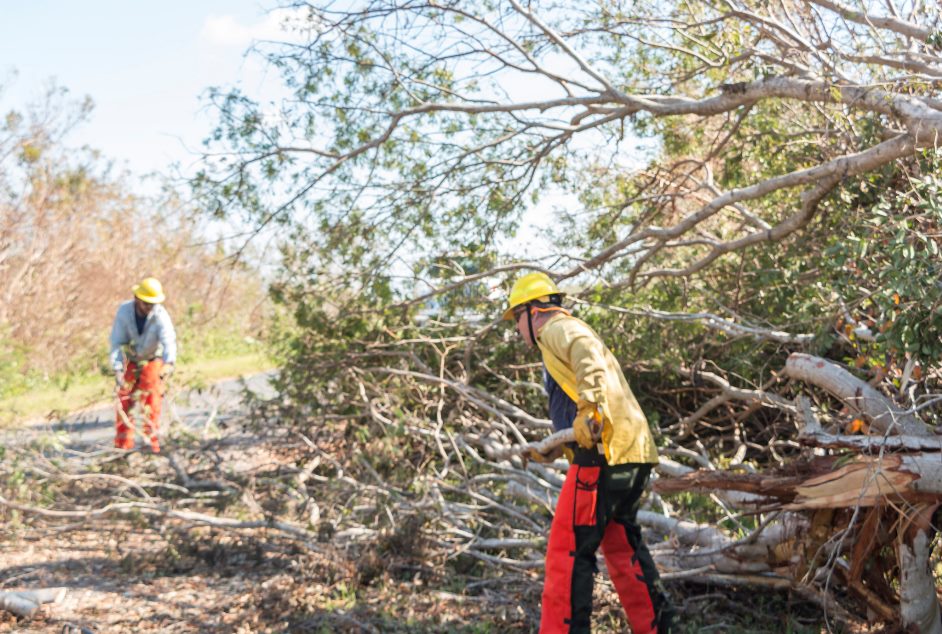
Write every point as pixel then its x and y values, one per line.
pixel 74 238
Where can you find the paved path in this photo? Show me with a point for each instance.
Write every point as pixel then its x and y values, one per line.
pixel 94 427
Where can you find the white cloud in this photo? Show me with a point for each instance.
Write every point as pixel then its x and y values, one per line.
pixel 280 24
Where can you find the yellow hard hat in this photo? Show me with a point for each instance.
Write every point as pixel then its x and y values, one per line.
pixel 149 290
pixel 528 288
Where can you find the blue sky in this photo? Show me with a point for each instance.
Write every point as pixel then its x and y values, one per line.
pixel 145 65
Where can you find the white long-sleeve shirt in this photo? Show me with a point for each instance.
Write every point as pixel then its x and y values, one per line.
pixel 157 339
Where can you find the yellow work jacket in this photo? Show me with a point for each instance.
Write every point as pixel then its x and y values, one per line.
pixel 586 370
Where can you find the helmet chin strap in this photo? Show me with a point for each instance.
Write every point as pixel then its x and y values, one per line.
pixel 530 323
pixel 540 307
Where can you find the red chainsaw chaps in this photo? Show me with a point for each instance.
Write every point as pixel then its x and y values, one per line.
pixel 145 388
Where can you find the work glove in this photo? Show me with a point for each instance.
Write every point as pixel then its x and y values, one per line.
pixel 587 425
pixel 552 455
pixel 166 371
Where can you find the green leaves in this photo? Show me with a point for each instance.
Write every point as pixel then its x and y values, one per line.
pixel 891 263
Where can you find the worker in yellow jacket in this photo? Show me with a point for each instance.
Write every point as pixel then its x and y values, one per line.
pixel 610 466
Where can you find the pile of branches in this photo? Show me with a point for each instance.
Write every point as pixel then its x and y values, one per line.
pixel 844 516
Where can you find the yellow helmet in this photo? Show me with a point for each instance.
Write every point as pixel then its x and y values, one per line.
pixel 149 290
pixel 528 288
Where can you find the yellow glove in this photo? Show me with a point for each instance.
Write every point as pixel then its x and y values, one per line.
pixel 587 425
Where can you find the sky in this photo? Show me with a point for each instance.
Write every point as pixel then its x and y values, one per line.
pixel 144 64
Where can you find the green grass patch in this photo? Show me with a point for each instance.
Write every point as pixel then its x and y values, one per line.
pixel 53 398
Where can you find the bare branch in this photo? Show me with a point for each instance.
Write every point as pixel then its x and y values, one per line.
pixel 883 22
pixel 884 415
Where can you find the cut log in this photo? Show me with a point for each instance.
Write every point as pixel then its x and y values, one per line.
pixel 884 415
pixel 25 603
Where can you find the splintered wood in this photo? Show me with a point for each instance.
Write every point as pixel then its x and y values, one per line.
pixel 864 482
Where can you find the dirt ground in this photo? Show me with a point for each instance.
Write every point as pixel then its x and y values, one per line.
pixel 141 578
pixel 129 578
pixel 153 574
pixel 115 582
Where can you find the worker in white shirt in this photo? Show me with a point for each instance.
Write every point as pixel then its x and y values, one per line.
pixel 143 354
